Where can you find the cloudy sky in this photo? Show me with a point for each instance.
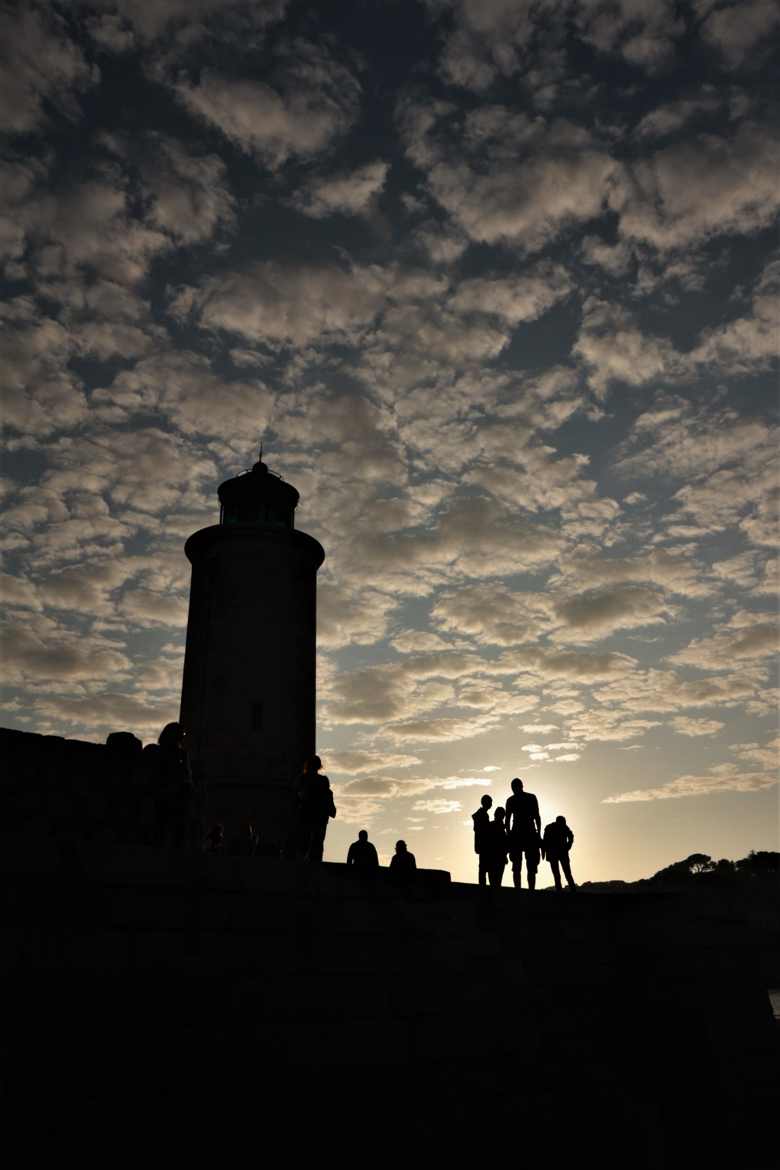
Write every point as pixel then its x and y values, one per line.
pixel 497 280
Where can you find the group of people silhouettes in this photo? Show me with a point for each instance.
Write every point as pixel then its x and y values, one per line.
pixel 363 860
pixel 314 807
pixel 515 833
pixel 168 811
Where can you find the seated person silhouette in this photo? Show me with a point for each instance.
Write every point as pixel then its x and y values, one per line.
pixel 362 856
pixel 481 819
pixel 523 826
pixel 556 843
pixel 402 865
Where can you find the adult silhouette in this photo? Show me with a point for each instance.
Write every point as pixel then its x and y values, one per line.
pixel 315 808
pixel 495 846
pixel 523 826
pixel 172 786
pixel 481 819
pixel 556 843
pixel 362 856
pixel 402 865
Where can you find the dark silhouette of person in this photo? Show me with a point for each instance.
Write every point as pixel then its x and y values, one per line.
pixel 481 819
pixel 362 856
pixel 523 826
pixel 556 843
pixel 495 847
pixel 173 795
pixel 246 842
pixel 215 839
pixel 403 866
pixel 316 807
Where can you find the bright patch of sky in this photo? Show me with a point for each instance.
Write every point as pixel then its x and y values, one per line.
pixel 497 282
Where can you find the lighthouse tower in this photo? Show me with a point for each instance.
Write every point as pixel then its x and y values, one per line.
pixel 248 693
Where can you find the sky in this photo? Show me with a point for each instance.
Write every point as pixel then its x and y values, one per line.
pixel 496 282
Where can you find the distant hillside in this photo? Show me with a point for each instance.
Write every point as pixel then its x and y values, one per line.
pixel 701 871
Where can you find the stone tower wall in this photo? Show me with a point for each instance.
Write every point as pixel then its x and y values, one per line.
pixel 249 689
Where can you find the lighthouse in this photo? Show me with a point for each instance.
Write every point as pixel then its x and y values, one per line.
pixel 249 685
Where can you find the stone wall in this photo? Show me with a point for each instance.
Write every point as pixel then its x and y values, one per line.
pixel 188 995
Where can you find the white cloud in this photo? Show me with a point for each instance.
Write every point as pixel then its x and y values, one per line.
pixel 599 613
pixel 286 305
pixel 614 349
pixel 42 650
pixel 685 725
pixel 317 98
pixel 514 299
pixel 438 806
pixel 190 196
pixel 746 637
pixel 183 387
pixel 723 778
pixel 742 29
pixel 39 63
pixel 703 187
pixel 748 344
pixel 349 193
pixel 671 117
pixel 543 176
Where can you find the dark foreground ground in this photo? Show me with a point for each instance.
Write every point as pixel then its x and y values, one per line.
pixel 182 1005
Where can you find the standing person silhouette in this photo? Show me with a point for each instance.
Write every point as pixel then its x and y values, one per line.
pixel 556 843
pixel 315 808
pixel 524 826
pixel 481 819
pixel 495 846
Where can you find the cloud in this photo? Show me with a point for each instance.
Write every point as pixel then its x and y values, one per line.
pixel 189 193
pixel 183 387
pixel 614 349
pixel 671 117
pixel 40 393
pixel 658 691
pixel 728 463
pixel 600 725
pixel 39 65
pixel 675 571
pixel 189 20
pixel 543 177
pixel 746 637
pixel 746 345
pixel 492 613
pixel 348 193
pixel 723 778
pixel 514 299
pixel 599 613
pixel 740 30
pixel 643 32
pixel 97 714
pixel 490 40
pixel 357 761
pixel 438 806
pixel 316 99
pixel 684 725
pixel 614 259
pixel 284 304
pixel 42 650
pixel 349 617
pixel 706 186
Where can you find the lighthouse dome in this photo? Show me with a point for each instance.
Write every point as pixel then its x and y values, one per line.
pixel 258 497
